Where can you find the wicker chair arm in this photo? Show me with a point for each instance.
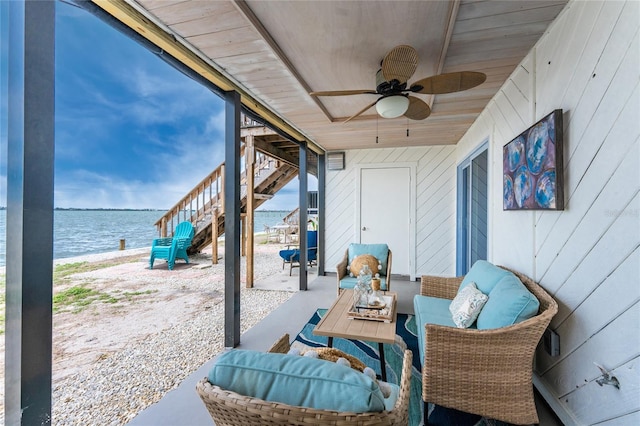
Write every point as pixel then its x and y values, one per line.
pixel 444 288
pixel 341 268
pixel 281 346
pixel 461 364
pixel 388 273
pixel 401 409
pixel 229 408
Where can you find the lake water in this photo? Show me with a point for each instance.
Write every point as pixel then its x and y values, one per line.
pixel 80 232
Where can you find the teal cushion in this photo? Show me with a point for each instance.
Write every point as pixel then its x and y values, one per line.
pixel 390 401
pixel 379 251
pixel 486 275
pixel 350 282
pixel 509 303
pixel 296 380
pixel 431 310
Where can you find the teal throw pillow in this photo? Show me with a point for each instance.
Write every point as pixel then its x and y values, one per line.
pixel 510 302
pixel 485 274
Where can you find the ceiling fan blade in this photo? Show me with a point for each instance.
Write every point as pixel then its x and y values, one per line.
pixel 418 109
pixel 448 83
pixel 344 93
pixel 400 63
pixel 360 112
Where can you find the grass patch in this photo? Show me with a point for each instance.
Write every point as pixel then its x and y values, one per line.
pixel 78 298
pixel 129 295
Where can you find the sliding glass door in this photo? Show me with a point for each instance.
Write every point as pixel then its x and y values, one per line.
pixel 472 210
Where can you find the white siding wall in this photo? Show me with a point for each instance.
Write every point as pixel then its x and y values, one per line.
pixel 588 255
pixel 435 206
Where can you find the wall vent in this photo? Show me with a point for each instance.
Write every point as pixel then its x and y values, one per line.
pixel 335 161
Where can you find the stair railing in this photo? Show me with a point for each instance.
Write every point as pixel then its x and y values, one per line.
pixel 207 197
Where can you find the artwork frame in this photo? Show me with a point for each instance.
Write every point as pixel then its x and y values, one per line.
pixel 532 164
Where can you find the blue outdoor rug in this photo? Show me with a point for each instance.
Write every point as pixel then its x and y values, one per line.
pixel 367 352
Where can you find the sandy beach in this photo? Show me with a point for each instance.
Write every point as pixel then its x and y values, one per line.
pixel 140 332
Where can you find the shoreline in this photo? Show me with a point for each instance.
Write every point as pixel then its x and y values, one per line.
pixel 259 239
pixel 95 257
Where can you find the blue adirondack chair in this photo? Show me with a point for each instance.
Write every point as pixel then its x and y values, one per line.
pixel 172 248
pixel 292 256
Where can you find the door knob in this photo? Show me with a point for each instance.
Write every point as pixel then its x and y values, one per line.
pixel 364 228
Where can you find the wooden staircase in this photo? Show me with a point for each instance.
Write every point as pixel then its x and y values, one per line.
pixel 275 166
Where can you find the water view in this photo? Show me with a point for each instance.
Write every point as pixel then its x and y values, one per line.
pixel 80 232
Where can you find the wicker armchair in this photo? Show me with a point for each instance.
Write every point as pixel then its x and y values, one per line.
pixel 230 408
pixel 342 270
pixel 484 372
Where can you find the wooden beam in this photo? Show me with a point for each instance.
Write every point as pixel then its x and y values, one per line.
pixel 274 152
pixel 214 237
pixel 258 196
pixel 250 161
pixel 251 17
pixel 243 236
pixel 454 6
pixel 281 155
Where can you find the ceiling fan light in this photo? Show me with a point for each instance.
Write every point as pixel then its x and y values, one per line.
pixel 392 106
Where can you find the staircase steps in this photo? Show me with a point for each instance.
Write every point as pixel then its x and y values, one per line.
pixel 205 202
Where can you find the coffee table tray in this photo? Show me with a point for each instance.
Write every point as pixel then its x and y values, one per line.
pixel 374 313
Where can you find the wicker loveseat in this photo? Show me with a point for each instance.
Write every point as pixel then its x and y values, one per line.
pixel 487 372
pixel 230 408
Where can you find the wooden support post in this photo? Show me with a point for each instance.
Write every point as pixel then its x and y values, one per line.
pixel 214 237
pixel 243 235
pixel 222 175
pixel 250 163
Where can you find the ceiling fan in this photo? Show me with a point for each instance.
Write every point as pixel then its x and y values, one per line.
pixel 395 97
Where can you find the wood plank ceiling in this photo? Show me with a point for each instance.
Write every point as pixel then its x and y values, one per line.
pixel 279 51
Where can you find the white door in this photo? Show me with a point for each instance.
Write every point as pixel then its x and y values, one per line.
pixel 385 213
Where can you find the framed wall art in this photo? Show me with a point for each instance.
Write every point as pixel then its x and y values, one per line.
pixel 532 167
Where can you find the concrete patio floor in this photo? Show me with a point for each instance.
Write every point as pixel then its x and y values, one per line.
pixel 182 406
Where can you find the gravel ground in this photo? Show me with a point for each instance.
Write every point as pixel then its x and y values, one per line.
pixel 112 360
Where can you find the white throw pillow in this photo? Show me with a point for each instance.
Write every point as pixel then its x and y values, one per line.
pixel 467 304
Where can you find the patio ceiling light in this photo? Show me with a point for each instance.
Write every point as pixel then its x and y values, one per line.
pixel 392 106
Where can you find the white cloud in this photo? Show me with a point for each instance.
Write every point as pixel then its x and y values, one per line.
pixel 215 124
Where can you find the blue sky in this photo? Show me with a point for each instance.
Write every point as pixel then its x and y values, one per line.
pixel 131 131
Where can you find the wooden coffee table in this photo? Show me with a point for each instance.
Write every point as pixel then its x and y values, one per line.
pixel 336 323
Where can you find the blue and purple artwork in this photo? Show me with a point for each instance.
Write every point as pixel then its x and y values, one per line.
pixel 532 167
